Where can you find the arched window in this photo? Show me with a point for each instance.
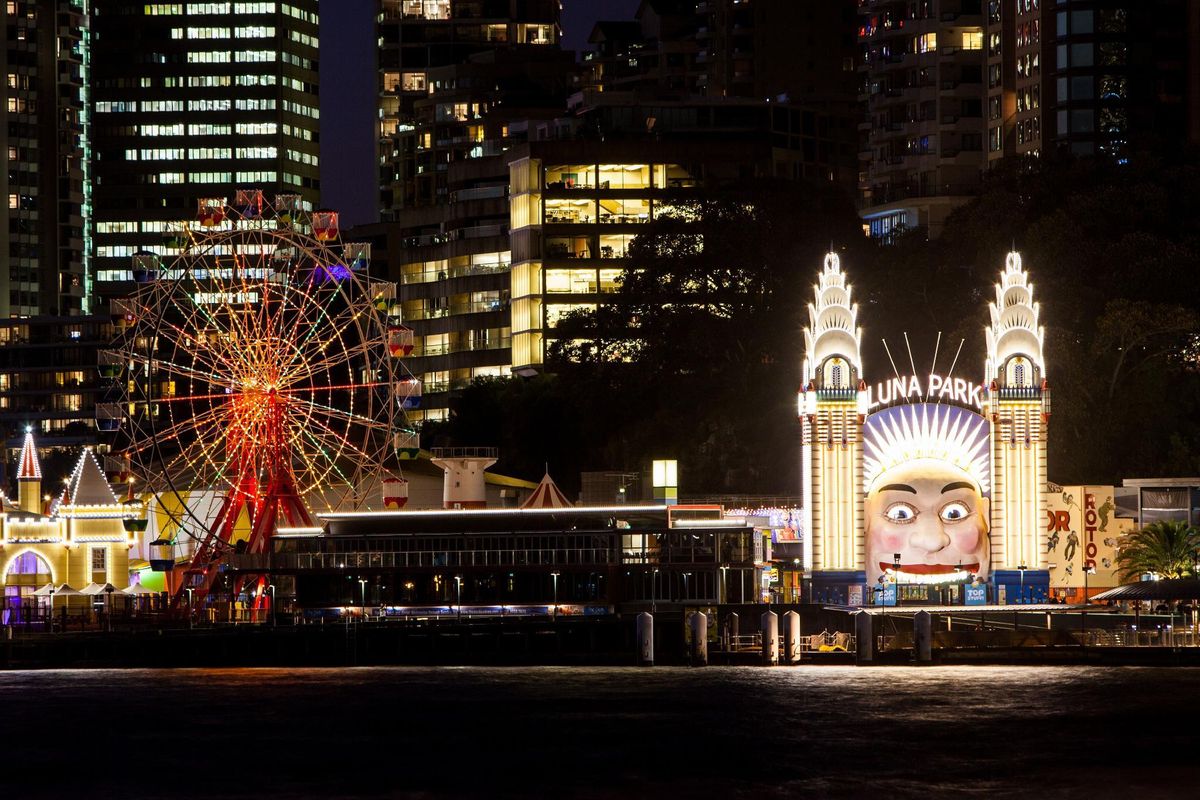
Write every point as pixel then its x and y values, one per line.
pixel 837 376
pixel 1019 374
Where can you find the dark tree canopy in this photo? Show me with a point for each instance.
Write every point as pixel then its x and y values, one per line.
pixel 697 356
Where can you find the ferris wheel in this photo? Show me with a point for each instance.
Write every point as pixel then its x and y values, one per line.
pixel 261 366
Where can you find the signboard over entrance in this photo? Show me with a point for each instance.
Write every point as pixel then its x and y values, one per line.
pixel 935 388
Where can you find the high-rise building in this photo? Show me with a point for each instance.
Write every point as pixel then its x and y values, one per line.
pixel 1125 75
pixel 922 69
pixel 512 204
pixel 952 87
pixel 194 101
pixel 43 243
pixel 418 36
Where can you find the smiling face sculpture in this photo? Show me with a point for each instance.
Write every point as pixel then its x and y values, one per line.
pixel 934 516
pixel 926 471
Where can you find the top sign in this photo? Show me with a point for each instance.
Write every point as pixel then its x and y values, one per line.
pixel 935 389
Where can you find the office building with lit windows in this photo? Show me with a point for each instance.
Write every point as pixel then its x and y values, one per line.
pixel 195 101
pixel 416 38
pixel 43 238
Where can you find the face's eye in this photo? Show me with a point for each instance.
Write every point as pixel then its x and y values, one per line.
pixel 900 512
pixel 955 511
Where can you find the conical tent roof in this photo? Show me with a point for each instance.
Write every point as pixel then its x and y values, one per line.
pixel 547 495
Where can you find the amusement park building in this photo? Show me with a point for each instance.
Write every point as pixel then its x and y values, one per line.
pixel 81 536
pixel 605 558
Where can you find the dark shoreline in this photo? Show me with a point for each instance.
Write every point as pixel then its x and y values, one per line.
pixel 580 642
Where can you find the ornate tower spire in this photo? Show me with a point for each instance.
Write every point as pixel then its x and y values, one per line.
pixel 29 476
pixel 1019 408
pixel 1015 352
pixel 832 332
pixel 832 401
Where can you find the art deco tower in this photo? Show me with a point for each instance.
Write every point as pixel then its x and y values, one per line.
pixel 831 407
pixel 1019 407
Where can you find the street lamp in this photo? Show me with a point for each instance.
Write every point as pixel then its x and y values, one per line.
pixel 271 589
pixel 189 592
pixel 362 583
pixel 896 575
pixel 654 590
pixel 1021 569
pixel 1087 570
pixel 554 575
pixel 724 583
pixel 458 590
pixel 686 575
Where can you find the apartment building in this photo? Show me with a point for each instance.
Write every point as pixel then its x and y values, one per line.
pixel 952 87
pixel 43 236
pixel 416 38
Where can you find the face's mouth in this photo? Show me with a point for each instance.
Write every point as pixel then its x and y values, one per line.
pixel 930 569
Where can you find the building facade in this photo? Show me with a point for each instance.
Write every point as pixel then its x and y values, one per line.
pixel 925 488
pixel 49 379
pixel 953 87
pixel 419 136
pixel 192 102
pixel 45 117
pixel 82 535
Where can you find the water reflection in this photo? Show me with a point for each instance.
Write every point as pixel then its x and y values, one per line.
pixel 813 731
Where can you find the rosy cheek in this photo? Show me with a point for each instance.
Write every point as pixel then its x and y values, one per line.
pixel 890 539
pixel 967 540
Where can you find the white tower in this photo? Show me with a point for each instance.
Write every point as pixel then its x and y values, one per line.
pixel 831 407
pixel 465 484
pixel 1019 408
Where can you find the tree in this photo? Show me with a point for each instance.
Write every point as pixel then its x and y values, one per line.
pixel 702 342
pixel 1166 549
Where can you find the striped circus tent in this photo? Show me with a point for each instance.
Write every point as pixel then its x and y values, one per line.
pixel 547 495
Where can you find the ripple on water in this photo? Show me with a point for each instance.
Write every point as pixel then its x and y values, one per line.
pixel 601 732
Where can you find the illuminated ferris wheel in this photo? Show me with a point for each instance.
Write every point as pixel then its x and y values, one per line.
pixel 260 366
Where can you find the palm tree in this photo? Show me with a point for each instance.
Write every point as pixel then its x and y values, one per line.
pixel 1167 549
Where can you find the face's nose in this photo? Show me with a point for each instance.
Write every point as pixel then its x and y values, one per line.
pixel 928 536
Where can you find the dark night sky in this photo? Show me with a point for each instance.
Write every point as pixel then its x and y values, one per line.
pixel 348 94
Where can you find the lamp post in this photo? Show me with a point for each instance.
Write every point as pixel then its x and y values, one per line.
pixel 52 609
pixel 1083 614
pixel 896 576
pixel 724 583
pixel 458 590
pixel 362 584
pixel 189 592
pixel 554 575
pixel 1020 595
pixel 686 575
pixel 271 589
pixel 654 590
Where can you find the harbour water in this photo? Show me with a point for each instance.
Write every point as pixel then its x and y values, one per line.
pixel 599 732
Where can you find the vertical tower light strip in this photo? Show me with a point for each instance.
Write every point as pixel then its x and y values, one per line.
pixel 1018 406
pixel 832 403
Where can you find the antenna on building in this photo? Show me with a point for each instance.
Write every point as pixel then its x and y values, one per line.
pixel 889 355
pixel 911 362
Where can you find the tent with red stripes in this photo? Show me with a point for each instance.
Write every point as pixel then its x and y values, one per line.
pixel 547 495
